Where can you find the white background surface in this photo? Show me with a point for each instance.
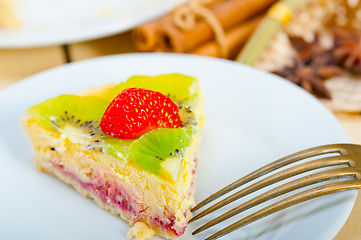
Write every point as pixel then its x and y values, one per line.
pixel 253 118
pixel 53 22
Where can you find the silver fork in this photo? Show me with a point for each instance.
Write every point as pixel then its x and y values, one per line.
pixel 349 154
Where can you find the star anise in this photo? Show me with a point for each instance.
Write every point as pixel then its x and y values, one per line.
pixel 312 52
pixel 347 49
pixel 313 66
pixel 311 77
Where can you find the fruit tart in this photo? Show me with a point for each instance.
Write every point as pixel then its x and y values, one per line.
pixel 131 147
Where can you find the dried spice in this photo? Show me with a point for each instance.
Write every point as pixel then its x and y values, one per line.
pixel 312 52
pixel 347 49
pixel 311 77
pixel 313 66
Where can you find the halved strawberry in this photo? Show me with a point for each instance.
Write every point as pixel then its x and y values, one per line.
pixel 136 111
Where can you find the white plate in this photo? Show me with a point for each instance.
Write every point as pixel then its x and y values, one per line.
pixel 54 22
pixel 253 118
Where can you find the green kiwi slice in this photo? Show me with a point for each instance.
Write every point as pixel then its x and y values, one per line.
pixel 178 87
pixel 78 119
pixel 161 151
pixel 68 109
pixel 115 147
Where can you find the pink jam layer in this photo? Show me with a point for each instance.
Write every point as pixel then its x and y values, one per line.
pixel 120 198
pixel 106 192
pixel 168 226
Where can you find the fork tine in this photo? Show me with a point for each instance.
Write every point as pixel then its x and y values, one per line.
pixel 280 190
pixel 311 152
pixel 302 168
pixel 288 202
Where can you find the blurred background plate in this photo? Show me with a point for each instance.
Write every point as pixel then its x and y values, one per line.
pixel 53 22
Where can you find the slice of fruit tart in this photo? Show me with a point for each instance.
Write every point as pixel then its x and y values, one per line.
pixel 131 147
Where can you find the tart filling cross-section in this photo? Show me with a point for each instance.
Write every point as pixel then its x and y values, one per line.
pixel 131 147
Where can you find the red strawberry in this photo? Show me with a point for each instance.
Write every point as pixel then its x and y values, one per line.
pixel 136 111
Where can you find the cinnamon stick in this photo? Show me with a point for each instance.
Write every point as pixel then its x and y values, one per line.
pixel 145 36
pixel 229 13
pixel 236 37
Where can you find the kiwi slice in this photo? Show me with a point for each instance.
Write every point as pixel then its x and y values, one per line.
pixel 78 119
pixel 161 151
pixel 68 109
pixel 187 114
pixel 115 147
pixel 176 86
